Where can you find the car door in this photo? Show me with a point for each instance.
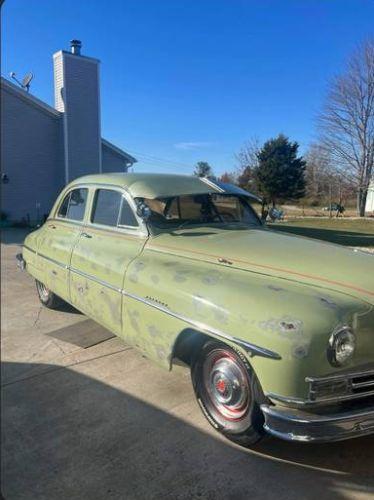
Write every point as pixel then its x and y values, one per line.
pixel 111 239
pixel 59 235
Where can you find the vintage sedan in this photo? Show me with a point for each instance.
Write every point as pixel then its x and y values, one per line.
pixel 278 330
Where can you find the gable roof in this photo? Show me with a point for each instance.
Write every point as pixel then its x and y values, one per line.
pixel 42 106
pixel 118 151
pixel 30 99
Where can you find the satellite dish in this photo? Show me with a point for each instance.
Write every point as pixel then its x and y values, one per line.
pixel 27 80
pixel 25 84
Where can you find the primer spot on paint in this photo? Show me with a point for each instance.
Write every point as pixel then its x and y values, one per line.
pixel 300 351
pixel 180 276
pixel 153 331
pixel 211 278
pixel 328 302
pixel 276 288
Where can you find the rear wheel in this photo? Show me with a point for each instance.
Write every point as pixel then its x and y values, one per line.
pixel 228 392
pixel 46 297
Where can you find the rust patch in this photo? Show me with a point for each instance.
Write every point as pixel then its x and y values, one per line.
pixel 284 326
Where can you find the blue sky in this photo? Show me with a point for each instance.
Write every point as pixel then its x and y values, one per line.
pixel 190 80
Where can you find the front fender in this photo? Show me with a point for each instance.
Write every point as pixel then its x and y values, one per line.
pixel 284 317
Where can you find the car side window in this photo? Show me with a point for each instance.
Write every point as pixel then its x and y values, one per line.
pixel 127 217
pixel 74 205
pixel 106 207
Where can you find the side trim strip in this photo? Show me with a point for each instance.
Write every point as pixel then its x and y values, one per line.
pixel 97 280
pixel 64 266
pixel 29 249
pixel 251 348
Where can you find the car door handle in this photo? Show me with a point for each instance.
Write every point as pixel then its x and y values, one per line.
pixel 86 235
pixel 52 226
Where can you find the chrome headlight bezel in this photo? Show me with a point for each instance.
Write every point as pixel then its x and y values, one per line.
pixel 336 349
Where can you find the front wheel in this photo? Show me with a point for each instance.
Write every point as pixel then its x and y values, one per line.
pixel 228 393
pixel 47 297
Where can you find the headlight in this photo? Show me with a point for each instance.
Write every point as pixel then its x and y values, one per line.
pixel 342 344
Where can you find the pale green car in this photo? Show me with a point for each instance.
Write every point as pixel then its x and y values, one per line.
pixel 278 330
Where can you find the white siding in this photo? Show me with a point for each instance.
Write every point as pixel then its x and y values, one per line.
pixel 58 73
pixel 80 85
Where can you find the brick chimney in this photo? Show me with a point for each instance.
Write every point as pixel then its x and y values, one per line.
pixel 77 96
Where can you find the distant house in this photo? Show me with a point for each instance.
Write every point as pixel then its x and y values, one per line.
pixel 44 147
pixel 369 208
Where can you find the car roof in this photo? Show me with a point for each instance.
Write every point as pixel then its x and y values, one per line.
pixel 143 185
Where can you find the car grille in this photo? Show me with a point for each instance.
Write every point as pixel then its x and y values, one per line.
pixel 341 387
pixel 362 384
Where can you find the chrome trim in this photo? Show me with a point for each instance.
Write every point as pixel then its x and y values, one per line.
pixel 295 425
pixel 316 402
pixel 254 350
pixel 29 249
pixel 64 266
pixel 97 280
pixel 340 376
pixel 21 263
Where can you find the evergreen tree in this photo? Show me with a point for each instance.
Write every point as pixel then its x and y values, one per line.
pixel 203 169
pixel 280 173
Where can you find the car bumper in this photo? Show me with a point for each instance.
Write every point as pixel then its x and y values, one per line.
pixel 295 425
pixel 21 263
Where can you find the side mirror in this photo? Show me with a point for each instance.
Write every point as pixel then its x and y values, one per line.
pixel 143 210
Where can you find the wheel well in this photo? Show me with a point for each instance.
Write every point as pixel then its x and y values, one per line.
pixel 187 344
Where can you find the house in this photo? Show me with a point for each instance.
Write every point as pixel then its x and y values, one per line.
pixel 44 147
pixel 369 207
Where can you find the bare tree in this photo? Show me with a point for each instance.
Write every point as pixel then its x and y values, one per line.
pixel 248 155
pixel 347 121
pixel 247 159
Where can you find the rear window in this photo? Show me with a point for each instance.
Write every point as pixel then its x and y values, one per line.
pixel 106 207
pixel 110 208
pixel 127 217
pixel 74 205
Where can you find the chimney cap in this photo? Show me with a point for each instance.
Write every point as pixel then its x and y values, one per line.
pixel 75 46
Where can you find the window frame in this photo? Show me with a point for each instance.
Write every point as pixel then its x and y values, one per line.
pixel 68 193
pixel 139 228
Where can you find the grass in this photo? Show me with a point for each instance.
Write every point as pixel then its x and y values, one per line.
pixel 347 232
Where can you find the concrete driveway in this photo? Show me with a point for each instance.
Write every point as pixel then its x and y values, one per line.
pixel 86 417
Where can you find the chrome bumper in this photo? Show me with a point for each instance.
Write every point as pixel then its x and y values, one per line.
pixel 21 263
pixel 296 425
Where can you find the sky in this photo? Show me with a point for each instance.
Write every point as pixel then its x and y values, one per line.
pixel 190 80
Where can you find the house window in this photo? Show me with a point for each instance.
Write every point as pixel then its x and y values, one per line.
pixel 74 205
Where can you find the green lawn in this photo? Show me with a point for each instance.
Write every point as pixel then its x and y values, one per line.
pixel 348 232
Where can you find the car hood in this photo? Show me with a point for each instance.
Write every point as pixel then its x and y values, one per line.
pixel 283 255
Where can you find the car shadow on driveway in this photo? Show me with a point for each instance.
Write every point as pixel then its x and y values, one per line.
pixel 68 435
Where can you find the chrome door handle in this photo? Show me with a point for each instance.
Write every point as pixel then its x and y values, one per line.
pixel 86 235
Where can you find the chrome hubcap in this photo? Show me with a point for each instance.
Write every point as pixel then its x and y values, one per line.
pixel 227 385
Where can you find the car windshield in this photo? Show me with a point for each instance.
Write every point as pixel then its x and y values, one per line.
pixel 202 209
